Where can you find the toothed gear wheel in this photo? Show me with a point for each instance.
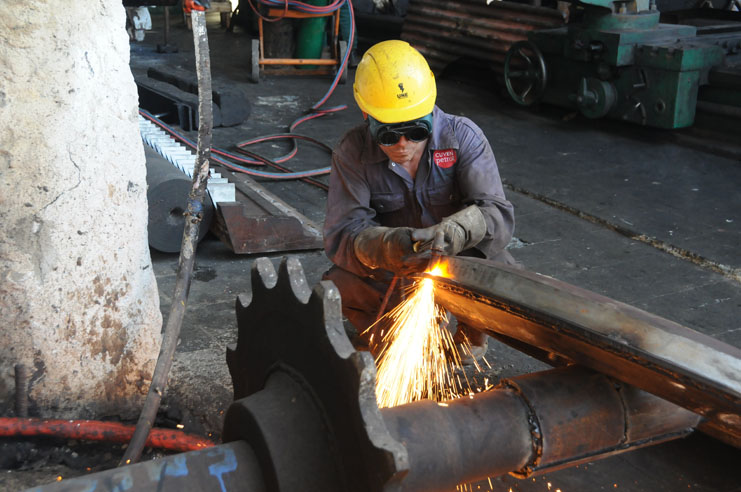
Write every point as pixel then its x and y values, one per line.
pixel 304 398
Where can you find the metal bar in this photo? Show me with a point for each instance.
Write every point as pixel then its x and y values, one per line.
pixel 269 202
pixel 193 217
pixel 683 366
pixel 297 61
pixel 166 37
pixel 21 390
pixel 297 71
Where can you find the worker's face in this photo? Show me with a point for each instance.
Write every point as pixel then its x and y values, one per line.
pixel 404 151
pixel 401 142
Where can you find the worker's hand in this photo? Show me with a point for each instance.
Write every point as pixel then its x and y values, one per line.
pixel 462 230
pixel 201 5
pixel 389 248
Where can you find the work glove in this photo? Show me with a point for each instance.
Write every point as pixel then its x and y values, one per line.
pixel 389 248
pixel 201 5
pixel 462 230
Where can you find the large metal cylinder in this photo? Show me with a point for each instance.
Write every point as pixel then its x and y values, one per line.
pixel 167 193
pixel 487 435
pixel 529 424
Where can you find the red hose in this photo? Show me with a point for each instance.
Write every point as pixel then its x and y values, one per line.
pixel 95 430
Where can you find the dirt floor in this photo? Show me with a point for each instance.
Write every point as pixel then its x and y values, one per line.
pixel 623 211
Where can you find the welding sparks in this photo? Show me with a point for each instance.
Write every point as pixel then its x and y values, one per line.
pixel 418 356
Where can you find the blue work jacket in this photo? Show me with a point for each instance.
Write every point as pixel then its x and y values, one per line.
pixel 458 169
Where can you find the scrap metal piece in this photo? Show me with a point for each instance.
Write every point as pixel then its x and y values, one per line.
pixel 175 105
pixel 219 189
pixel 260 222
pixel 292 348
pixel 683 366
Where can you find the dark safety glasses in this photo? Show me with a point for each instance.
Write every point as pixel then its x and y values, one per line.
pixel 390 135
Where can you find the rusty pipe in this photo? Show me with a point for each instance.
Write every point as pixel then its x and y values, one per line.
pixel 466 439
pixel 530 424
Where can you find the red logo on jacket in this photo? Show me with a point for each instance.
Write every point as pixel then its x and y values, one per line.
pixel 445 158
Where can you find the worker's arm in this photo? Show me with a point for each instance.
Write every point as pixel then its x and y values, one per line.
pixel 353 237
pixel 477 176
pixel 348 204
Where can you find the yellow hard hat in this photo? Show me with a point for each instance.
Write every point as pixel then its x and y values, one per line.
pixel 393 83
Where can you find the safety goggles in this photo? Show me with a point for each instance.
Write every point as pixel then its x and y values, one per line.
pixel 388 135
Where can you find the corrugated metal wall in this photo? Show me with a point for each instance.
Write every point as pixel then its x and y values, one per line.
pixel 445 30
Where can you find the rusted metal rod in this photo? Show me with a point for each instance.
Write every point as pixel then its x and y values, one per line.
pixel 21 390
pixel 193 217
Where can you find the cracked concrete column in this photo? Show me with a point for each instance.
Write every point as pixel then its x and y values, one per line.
pixel 78 298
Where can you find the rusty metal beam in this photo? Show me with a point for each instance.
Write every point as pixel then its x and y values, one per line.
pixel 674 362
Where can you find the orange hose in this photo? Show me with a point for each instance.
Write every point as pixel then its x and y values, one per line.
pixel 96 430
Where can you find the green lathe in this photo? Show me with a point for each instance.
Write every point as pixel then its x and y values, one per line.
pixel 618 61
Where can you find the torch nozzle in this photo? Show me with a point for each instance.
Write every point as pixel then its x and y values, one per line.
pixel 436 246
pixel 438 243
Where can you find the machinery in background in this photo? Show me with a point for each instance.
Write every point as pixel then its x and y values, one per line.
pixel 618 61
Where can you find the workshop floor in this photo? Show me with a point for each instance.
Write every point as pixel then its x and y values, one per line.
pixel 620 210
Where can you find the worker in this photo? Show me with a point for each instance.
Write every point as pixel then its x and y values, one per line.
pixel 408 171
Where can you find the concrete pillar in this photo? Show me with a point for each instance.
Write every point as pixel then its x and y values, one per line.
pixel 78 299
